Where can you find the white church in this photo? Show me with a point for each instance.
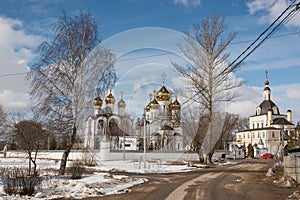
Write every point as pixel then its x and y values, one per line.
pixel 268 128
pixel 109 126
pixel 160 125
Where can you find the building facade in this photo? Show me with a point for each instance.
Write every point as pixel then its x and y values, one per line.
pixel 268 128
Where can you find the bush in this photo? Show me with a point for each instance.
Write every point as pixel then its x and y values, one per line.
pixel 88 158
pixel 76 170
pixel 16 181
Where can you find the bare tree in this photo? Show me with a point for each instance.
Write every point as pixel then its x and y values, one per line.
pixel 242 124
pixel 208 77
pixel 30 136
pixel 3 124
pixel 65 77
pixel 229 126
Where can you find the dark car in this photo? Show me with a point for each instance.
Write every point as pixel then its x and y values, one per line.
pixel 267 155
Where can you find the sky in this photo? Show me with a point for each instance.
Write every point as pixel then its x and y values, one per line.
pixel 144 35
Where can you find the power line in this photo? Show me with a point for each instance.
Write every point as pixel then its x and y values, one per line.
pixel 279 25
pixel 233 43
pixel 232 66
pixel 12 74
pixel 288 17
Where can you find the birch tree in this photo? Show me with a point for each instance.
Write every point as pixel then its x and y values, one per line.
pixel 208 77
pixel 3 123
pixel 64 77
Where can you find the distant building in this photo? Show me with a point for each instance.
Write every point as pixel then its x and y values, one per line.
pixel 268 127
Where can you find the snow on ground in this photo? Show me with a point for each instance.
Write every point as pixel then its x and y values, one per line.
pixel 101 182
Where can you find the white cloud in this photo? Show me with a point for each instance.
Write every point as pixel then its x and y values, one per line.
pixel 270 10
pixel 16 50
pixel 257 5
pixel 188 3
pixel 293 93
pixel 14 101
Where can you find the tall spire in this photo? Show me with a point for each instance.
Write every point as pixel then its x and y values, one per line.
pixel 267 90
pixel 267 79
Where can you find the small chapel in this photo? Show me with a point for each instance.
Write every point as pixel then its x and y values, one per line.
pixel 109 126
pixel 268 128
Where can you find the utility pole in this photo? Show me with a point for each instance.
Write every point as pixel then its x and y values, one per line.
pixel 145 139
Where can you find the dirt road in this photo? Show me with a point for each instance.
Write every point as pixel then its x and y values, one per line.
pixel 247 181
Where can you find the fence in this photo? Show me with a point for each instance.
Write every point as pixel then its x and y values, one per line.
pixel 292 167
pixel 115 155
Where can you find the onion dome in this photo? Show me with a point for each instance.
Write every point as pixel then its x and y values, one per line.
pixel 154 104
pixel 176 105
pixel 110 99
pixel 163 94
pixel 98 101
pixel 148 108
pixel 121 103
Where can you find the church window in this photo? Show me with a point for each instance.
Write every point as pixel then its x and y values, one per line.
pixel 258 135
pixel 257 125
pixel 262 124
pixel 253 135
pixel 258 111
pixel 273 134
pixel 253 126
pixel 248 135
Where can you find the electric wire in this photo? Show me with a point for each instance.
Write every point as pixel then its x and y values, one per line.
pixel 232 66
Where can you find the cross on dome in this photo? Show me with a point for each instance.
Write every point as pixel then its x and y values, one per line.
pixel 163 77
pixel 110 86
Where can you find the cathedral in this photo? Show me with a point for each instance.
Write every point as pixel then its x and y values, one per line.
pixel 268 128
pixel 160 126
pixel 161 123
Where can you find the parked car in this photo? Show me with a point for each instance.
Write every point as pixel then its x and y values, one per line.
pixel 267 155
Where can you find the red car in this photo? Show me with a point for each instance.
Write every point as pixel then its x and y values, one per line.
pixel 267 155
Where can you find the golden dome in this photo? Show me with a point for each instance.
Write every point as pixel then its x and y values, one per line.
pixel 176 105
pixel 163 94
pixel 98 101
pixel 154 104
pixel 147 108
pixel 110 99
pixel 121 103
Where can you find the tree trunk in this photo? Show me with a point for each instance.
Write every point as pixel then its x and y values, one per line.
pixel 67 151
pixel 29 165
